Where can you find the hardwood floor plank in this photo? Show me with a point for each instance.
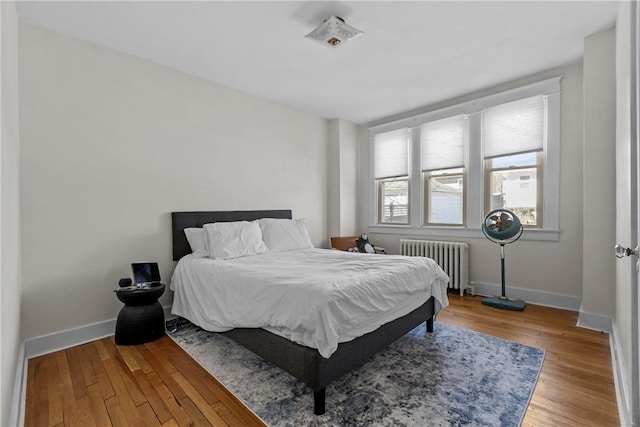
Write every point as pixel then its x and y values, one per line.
pixel 124 399
pixel 82 415
pixel 41 404
pixel 124 372
pixel 66 385
pixel 159 362
pixel 102 380
pixel 181 417
pixel 116 413
pixel 127 357
pixel 101 349
pixel 87 355
pixel 159 408
pixel 156 347
pixel 538 416
pixel 98 406
pixel 561 399
pixel 140 359
pixel 56 411
pixel 159 384
pixel 578 380
pixel 149 416
pixel 198 417
pixel 75 370
pixel 199 401
pixel 228 416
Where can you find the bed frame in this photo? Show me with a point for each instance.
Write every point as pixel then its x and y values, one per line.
pixel 302 362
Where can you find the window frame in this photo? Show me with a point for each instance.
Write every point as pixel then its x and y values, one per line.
pixel 474 170
pixel 426 176
pixel 380 214
pixel 538 166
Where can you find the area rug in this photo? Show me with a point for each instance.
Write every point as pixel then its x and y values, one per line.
pixel 451 377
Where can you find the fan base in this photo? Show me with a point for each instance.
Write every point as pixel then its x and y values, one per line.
pixel 505 303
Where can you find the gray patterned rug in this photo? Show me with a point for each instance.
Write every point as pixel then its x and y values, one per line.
pixel 452 377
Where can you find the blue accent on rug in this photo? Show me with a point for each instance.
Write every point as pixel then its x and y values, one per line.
pixel 451 377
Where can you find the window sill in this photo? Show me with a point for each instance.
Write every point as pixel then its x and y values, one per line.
pixel 460 232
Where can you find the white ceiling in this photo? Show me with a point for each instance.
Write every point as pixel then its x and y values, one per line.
pixel 411 54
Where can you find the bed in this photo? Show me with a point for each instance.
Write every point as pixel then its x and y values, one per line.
pixel 315 358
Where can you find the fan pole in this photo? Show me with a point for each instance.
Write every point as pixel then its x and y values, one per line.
pixel 504 287
pixel 502 301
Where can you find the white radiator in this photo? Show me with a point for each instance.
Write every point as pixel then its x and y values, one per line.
pixel 452 257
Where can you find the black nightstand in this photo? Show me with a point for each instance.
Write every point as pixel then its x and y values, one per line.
pixel 141 319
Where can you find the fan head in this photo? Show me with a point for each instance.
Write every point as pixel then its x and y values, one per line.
pixel 502 225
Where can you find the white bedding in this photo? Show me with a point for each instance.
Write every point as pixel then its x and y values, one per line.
pixel 315 297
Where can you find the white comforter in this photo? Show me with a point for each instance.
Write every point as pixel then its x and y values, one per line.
pixel 315 297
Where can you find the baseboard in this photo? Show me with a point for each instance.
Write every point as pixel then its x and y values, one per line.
pixel 534 297
pixel 623 391
pixel 68 338
pixel 72 337
pixel 16 416
pixel 597 322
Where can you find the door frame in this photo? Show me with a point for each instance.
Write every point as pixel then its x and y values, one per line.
pixel 635 144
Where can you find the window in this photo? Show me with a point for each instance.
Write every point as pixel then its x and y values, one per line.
pixel 512 140
pixel 512 183
pixel 442 148
pixel 444 197
pixel 392 176
pixel 394 197
pixel 440 172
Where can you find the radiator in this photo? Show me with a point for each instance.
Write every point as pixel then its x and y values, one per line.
pixel 452 257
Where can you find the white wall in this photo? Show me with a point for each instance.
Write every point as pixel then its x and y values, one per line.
pixel 553 268
pixel 10 337
pixel 599 184
pixel 334 219
pixel 342 166
pixel 111 144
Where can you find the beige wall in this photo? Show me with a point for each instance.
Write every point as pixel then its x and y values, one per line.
pixel 598 262
pixel 548 267
pixel 112 144
pixel 342 167
pixel 10 337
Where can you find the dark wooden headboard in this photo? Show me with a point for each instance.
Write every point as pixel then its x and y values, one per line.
pixel 182 220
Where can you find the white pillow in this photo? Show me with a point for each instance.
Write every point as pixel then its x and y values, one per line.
pixel 285 234
pixel 234 239
pixel 197 239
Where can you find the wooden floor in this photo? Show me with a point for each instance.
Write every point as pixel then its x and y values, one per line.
pixel 103 384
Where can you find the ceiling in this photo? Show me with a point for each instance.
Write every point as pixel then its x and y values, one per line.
pixel 411 54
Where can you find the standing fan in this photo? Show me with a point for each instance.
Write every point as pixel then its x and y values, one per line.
pixel 502 226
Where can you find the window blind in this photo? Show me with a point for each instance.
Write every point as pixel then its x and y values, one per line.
pixel 391 154
pixel 513 128
pixel 443 143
